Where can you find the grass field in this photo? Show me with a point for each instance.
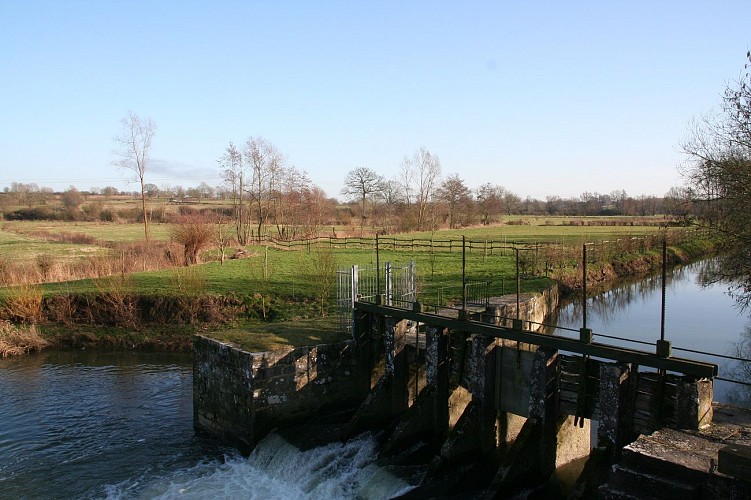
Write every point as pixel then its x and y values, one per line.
pixel 290 281
pixel 285 270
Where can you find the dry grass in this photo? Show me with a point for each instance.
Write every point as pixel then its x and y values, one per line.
pixel 22 303
pixel 16 342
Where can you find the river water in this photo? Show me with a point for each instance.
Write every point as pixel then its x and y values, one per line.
pixel 699 318
pixel 87 424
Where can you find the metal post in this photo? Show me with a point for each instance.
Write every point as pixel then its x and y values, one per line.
pixel 584 285
pixel 378 269
pixel 389 284
pixel 464 278
pixel 664 285
pixel 664 347
pixel 518 283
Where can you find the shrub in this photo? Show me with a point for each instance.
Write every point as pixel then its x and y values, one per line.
pixel 22 303
pixel 194 233
pixel 15 341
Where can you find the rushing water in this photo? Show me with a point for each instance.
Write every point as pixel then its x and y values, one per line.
pixel 84 424
pixel 700 318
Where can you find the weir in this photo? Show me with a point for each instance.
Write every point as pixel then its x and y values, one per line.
pixel 515 402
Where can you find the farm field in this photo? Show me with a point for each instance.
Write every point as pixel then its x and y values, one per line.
pixel 287 271
pixel 280 282
pixel 24 240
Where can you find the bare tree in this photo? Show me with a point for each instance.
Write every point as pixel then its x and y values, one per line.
pixel 719 178
pixel 454 193
pixel 359 184
pixel 233 173
pixel 424 169
pixel 266 165
pixel 134 145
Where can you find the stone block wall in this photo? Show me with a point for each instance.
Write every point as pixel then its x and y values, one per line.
pixel 240 396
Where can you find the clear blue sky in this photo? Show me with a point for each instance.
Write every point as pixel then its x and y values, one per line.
pixel 542 97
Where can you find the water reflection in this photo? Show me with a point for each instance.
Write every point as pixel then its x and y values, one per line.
pixel 609 306
pixel 741 370
pixel 700 315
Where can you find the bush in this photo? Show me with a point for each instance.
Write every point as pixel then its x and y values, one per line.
pixel 15 341
pixel 22 303
pixel 194 233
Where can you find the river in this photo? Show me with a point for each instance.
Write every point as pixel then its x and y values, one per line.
pixel 87 424
pixel 700 318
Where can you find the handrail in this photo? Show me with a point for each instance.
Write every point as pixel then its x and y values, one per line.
pixel 694 368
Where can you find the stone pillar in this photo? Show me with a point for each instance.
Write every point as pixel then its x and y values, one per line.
pixel 694 403
pixel 437 366
pixel 223 402
pixel 543 405
pixel 396 363
pixel 362 334
pixel 480 381
pixel 613 430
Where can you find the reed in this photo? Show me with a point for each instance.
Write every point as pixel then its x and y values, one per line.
pixel 15 341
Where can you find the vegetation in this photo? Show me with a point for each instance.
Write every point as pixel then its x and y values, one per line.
pixel 269 244
pixel 19 340
pixel 718 187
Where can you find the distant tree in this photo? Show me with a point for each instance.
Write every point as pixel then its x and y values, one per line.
pixel 678 202
pixel 553 205
pixel 359 184
pixel 494 199
pixel 72 198
pixel 266 165
pixel 222 237
pixel 454 193
pixel 421 174
pixel 152 190
pixel 235 178
pixel 489 202
pixel 109 192
pixel 718 175
pixel 134 146
pixel 204 191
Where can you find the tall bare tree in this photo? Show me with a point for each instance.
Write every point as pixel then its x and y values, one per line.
pixel 266 166
pixel 360 184
pixel 233 173
pixel 424 170
pixel 134 145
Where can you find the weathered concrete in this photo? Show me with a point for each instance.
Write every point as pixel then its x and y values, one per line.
pixel 239 396
pixel 533 308
pixel 670 463
pixel 613 430
pixel 389 398
pixel 428 417
pixel 223 393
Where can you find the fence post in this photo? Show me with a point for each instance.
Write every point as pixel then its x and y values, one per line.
pixel 389 284
pixel 412 273
pixel 354 282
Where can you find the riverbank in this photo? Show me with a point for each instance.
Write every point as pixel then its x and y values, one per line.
pixel 605 273
pixel 110 320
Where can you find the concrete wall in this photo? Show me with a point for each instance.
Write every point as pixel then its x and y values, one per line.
pixel 533 307
pixel 240 396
